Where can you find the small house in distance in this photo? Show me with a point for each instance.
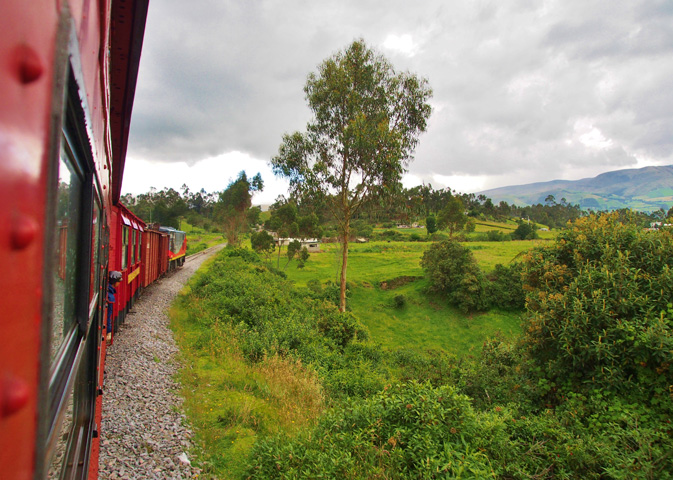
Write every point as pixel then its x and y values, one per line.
pixel 311 244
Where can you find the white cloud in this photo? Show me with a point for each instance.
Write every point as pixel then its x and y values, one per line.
pixel 590 136
pixel 460 183
pixel 212 174
pixel 403 44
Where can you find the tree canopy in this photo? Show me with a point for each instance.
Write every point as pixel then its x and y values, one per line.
pixel 367 119
pixel 234 203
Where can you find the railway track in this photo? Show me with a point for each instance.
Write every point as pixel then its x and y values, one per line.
pixel 207 251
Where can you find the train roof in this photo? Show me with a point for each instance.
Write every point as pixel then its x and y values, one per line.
pixel 170 229
pixel 126 41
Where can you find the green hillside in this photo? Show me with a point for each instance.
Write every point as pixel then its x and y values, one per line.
pixel 645 189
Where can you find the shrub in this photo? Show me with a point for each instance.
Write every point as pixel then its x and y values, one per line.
pixel 263 242
pixel 431 224
pixel 599 308
pixel 399 301
pixel 408 431
pixel 314 286
pixel 504 288
pixel 524 231
pixel 496 236
pixel 439 237
pixel 453 271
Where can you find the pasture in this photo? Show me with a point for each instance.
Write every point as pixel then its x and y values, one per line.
pixel 378 272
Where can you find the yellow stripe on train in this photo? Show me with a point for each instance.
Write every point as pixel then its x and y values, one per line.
pixel 133 274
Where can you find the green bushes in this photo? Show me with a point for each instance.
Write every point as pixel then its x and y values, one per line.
pixel 504 288
pixel 415 430
pixel 525 231
pixel 600 308
pixel 270 318
pixel 400 301
pixel 453 271
pixel 408 431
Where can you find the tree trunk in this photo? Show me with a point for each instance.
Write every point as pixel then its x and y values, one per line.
pixel 344 266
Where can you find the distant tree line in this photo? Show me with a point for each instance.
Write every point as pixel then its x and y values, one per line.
pixel 229 211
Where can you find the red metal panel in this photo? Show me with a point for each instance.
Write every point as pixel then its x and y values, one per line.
pixel 163 253
pixel 29 100
pixel 26 70
pixel 152 264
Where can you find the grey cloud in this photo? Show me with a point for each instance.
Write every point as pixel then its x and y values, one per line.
pixel 511 79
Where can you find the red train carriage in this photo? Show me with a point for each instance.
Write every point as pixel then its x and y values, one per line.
pixel 154 255
pixel 68 71
pixel 126 237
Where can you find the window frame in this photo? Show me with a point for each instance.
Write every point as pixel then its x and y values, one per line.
pixel 69 383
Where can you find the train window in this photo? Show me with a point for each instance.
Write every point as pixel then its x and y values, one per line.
pixel 66 305
pixel 133 249
pixel 68 213
pixel 69 377
pixel 125 247
pixel 95 251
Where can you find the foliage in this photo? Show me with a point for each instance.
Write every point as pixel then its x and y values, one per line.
pixel 431 224
pixel 524 231
pixel 415 430
pixel 452 216
pixel 367 119
pixel 262 242
pixel 408 431
pixel 600 309
pixel 400 301
pixel 165 207
pixel 514 411
pixel 234 203
pixel 505 287
pixel 294 249
pixel 269 318
pixel 453 271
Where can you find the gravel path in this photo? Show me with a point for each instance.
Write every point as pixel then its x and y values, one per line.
pixel 143 431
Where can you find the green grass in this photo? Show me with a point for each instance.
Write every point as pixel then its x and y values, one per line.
pixel 425 322
pixel 231 403
pixel 198 240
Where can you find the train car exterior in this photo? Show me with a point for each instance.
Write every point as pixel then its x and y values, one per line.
pixel 154 255
pixel 177 247
pixel 68 72
pixel 126 237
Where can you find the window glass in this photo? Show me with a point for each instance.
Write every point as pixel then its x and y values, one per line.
pixel 133 249
pixel 125 247
pixel 68 212
pixel 58 457
pixel 95 249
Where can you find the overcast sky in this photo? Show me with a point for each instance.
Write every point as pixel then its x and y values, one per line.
pixel 524 91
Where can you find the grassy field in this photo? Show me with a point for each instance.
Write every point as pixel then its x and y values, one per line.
pixel 198 239
pixel 423 322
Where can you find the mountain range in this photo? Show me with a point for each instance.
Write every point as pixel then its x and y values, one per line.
pixel 644 189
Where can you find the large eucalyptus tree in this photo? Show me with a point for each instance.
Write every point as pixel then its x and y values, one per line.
pixel 366 122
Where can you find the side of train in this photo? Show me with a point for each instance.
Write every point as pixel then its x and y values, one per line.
pixel 141 253
pixel 68 71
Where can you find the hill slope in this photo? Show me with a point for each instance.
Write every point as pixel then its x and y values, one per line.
pixel 644 189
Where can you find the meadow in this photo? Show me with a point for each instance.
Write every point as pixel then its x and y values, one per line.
pixel 198 239
pixel 378 272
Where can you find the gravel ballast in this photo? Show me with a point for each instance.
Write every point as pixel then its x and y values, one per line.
pixel 144 433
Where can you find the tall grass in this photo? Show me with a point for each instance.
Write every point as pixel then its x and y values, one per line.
pixel 230 402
